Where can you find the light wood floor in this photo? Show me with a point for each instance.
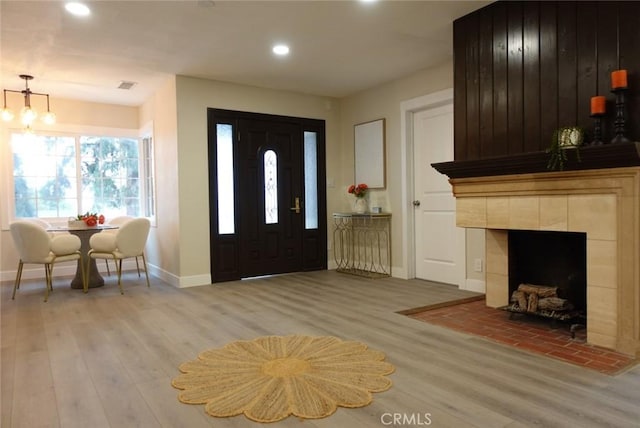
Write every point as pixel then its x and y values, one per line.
pixel 106 360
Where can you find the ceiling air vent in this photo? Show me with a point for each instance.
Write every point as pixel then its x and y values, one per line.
pixel 126 85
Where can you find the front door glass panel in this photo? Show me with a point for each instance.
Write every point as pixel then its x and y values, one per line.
pixel 310 180
pixel 270 187
pixel 226 214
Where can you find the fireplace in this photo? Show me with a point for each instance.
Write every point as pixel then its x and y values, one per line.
pixel 601 207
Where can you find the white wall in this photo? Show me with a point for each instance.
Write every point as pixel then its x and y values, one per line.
pixel 384 102
pixel 163 245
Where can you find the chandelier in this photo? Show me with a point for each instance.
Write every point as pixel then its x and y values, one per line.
pixel 27 115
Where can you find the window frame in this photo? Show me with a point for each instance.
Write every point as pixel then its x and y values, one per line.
pixel 76 132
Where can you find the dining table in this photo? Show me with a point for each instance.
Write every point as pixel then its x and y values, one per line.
pixel 85 234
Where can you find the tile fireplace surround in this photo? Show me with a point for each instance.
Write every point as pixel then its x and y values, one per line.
pixel 603 203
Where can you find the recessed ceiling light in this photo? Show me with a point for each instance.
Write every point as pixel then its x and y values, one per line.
pixel 77 9
pixel 281 50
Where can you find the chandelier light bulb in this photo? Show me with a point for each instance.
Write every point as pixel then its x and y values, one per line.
pixel 49 118
pixel 28 116
pixel 7 115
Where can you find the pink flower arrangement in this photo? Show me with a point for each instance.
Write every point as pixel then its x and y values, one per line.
pixel 359 190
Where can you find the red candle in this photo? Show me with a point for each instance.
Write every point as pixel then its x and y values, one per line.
pixel 618 79
pixel 598 104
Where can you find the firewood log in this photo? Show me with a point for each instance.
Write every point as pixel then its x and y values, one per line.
pixel 555 304
pixel 540 290
pixel 520 297
pixel 532 300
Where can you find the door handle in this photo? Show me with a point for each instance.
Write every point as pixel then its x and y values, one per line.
pixel 416 203
pixel 296 208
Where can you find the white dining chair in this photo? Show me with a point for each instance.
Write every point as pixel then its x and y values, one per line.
pixel 43 224
pixel 127 242
pixel 118 221
pixel 36 246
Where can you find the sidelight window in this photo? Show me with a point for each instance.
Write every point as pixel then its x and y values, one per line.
pixel 226 212
pixel 270 187
pixel 310 180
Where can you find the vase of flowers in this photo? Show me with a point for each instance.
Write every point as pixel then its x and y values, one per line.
pixel 360 192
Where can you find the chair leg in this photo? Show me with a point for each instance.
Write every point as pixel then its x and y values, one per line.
pixel 106 262
pixel 138 266
pixel 144 263
pixel 47 273
pixel 16 285
pixel 119 267
pixel 50 276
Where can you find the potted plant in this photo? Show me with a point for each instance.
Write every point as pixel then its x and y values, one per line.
pixel 567 137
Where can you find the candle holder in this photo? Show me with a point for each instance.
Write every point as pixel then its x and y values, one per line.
pixel 621 116
pixel 597 129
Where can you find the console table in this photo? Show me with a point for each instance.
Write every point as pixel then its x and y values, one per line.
pixel 362 244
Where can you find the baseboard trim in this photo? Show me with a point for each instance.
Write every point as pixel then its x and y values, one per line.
pixel 398 272
pixel 194 281
pixel 476 285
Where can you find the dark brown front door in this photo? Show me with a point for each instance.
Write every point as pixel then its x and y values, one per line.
pixel 270 189
pixel 264 225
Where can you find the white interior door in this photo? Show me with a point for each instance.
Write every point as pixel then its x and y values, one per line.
pixel 437 239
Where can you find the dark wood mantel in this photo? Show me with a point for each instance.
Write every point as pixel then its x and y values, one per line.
pixel 591 157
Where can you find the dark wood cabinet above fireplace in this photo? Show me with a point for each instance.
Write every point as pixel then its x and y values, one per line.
pixel 524 69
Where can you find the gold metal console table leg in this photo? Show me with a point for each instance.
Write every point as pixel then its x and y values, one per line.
pixel 362 244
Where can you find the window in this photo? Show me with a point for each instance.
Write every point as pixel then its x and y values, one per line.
pixel 58 176
pixel 310 180
pixel 226 201
pixel 149 177
pixel 270 187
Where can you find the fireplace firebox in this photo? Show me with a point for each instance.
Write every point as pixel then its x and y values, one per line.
pixel 553 259
pixel 548 275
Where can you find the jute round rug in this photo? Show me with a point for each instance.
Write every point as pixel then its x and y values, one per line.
pixel 272 377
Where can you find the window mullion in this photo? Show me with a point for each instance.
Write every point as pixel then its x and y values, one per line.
pixel 79 207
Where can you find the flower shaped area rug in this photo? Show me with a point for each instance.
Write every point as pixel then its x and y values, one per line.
pixel 272 377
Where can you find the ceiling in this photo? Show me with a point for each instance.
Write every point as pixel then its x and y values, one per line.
pixel 337 47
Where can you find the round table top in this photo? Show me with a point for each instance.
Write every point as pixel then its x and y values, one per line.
pixel 76 229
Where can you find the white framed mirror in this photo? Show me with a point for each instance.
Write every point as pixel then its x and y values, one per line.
pixel 370 165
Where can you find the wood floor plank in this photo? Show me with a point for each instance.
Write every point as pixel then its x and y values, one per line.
pixel 105 359
pixel 122 402
pixel 77 399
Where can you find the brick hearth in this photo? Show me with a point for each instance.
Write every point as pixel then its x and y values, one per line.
pixel 528 334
